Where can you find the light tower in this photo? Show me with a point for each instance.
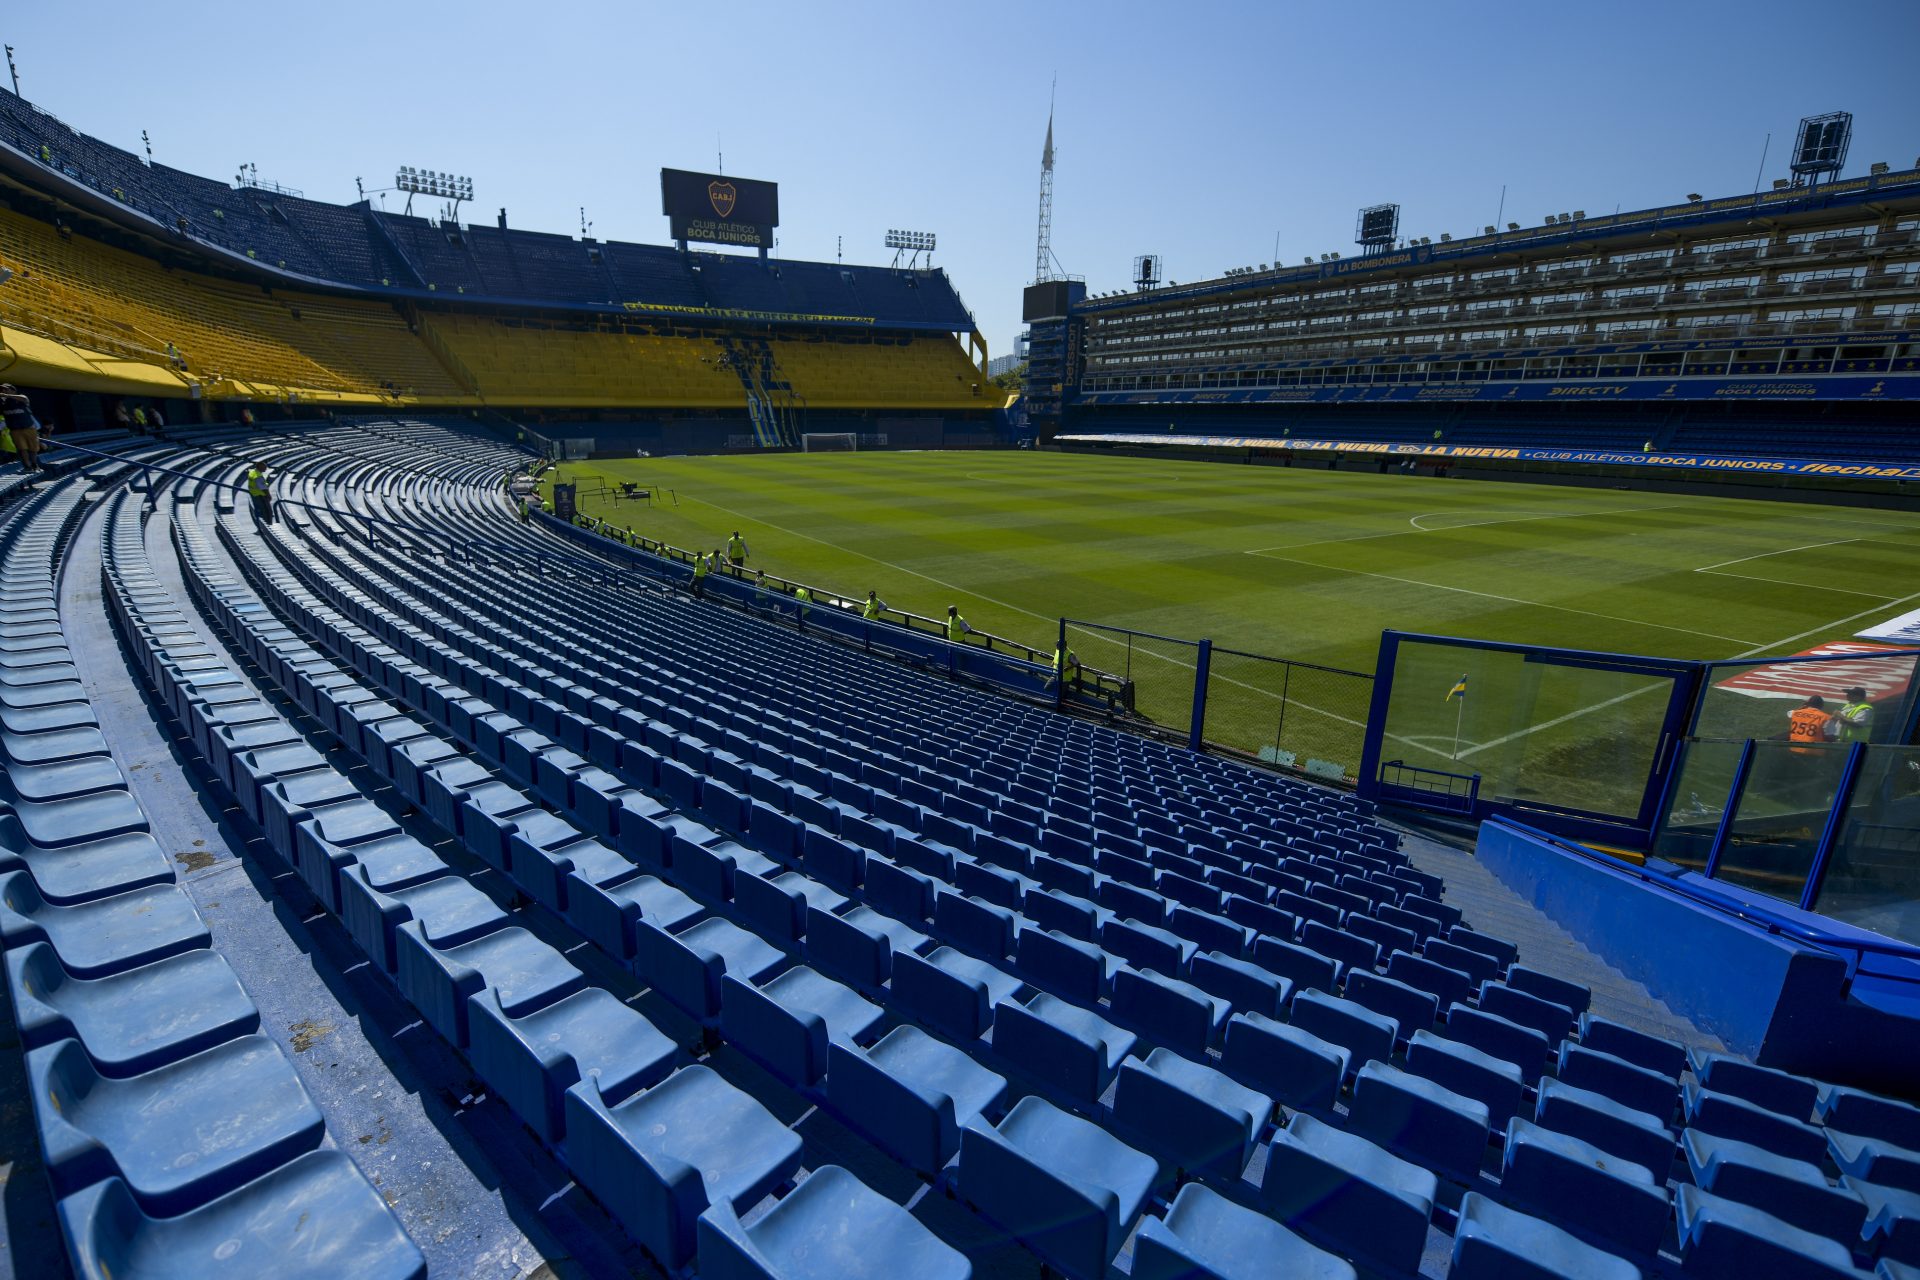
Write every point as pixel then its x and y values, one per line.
pixel 1043 251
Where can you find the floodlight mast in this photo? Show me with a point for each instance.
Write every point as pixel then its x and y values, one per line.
pixel 913 243
pixel 433 182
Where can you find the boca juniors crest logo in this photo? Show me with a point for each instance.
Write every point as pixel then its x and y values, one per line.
pixel 721 194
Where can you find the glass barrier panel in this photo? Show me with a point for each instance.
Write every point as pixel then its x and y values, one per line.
pixel 1873 875
pixel 1780 815
pixel 1686 831
pixel 1538 732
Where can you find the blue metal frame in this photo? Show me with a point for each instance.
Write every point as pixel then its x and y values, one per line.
pixel 1202 662
pixel 1577 823
pixel 1735 790
pixel 1836 817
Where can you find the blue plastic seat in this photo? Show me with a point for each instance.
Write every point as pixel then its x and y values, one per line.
pixel 858 947
pixel 1794 1191
pixel 1063 1186
pixel 911 1094
pixel 1892 1230
pixel 75 873
pixel 1286 1062
pixel 1857 1111
pixel 788 1021
pixel 1559 991
pixel 1410 1008
pixel 107 935
pixel 830 1227
pixel 532 1060
pixel 1607 1200
pixel 1066 966
pixel 1596 1118
pixel 314 1218
pixel 1425 1122
pixel 1304 967
pixel 952 993
pixel 179 1135
pixel 448 909
pixel 1790 1095
pixel 1873 1160
pixel 1206 1236
pixel 135 1020
pixel 1348 1194
pixel 1494 1083
pixel 1493 1242
pixel 1168 1011
pixel 1365 1035
pixel 1724 1240
pixel 779 906
pixel 1246 987
pixel 657 1160
pixel 609 912
pixel 687 966
pixel 1730 1117
pixel 1192 1116
pixel 526 972
pixel 1623 1081
pixel 1068 1048
pixel 1446 985
pixel 1500 1038
pixel 1147 946
pixel 1554 1021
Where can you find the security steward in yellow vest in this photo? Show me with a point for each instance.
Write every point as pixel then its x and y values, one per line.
pixel 700 571
pixel 736 550
pixel 873 608
pixel 261 495
pixel 1855 720
pixel 1064 661
pixel 957 628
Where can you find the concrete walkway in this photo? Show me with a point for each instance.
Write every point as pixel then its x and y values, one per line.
pixel 1493 908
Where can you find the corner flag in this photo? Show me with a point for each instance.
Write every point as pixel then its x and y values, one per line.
pixel 1459 690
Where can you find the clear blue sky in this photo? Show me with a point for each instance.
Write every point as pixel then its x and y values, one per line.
pixel 1198 131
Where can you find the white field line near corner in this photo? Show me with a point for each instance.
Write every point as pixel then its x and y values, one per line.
pixel 1429 515
pixel 1803 586
pixel 1634 693
pixel 1762 555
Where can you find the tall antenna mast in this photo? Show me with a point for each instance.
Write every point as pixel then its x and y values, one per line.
pixel 1043 251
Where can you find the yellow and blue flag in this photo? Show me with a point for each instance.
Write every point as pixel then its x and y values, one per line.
pixel 1459 690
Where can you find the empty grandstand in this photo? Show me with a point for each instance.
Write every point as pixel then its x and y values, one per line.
pixel 131 279
pixel 1780 324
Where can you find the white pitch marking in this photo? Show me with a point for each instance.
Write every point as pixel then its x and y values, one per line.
pixel 1804 586
pixel 1429 515
pixel 1762 555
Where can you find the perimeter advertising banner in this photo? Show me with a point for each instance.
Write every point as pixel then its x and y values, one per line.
pixel 719 209
pixel 1904 629
pixel 1743 390
pixel 1584 457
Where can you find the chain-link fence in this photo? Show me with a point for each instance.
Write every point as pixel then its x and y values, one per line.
pixel 1159 668
pixel 1297 714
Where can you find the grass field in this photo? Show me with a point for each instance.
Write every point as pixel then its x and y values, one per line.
pixel 1296 563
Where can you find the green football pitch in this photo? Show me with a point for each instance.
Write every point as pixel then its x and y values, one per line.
pixel 1297 563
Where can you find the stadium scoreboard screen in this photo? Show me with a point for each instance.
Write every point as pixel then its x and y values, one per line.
pixel 1378 225
pixel 719 209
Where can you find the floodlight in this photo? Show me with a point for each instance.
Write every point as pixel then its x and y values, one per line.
pixel 1877 168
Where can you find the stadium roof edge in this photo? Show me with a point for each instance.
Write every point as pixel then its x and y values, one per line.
pixel 28 174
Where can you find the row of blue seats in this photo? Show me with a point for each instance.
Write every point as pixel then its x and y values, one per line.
pixel 576 1064
pixel 142 1042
